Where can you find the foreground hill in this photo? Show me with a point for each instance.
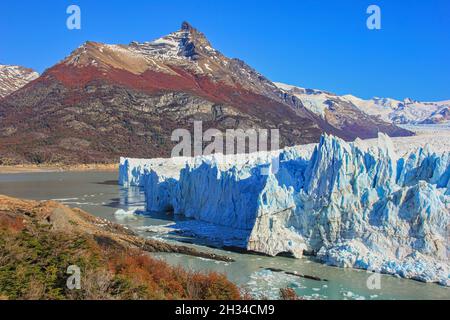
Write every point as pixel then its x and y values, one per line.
pixel 105 101
pixel 40 240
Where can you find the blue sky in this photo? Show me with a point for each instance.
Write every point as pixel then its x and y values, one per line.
pixel 312 43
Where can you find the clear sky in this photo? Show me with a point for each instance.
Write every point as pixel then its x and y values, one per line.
pixel 320 44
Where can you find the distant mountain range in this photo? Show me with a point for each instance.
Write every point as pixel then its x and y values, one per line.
pixel 104 101
pixel 394 111
pixel 407 111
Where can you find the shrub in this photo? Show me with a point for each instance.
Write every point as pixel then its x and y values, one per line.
pixel 34 261
pixel 288 294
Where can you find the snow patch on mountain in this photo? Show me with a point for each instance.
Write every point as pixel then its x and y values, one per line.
pixel 12 78
pixel 353 204
pixel 314 100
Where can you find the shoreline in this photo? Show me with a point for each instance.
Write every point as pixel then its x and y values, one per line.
pixel 15 169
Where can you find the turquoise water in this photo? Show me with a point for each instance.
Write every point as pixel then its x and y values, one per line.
pixel 99 194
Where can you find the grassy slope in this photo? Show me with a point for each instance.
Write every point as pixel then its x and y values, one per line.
pixel 39 240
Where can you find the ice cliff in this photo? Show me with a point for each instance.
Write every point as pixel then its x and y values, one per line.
pixel 351 204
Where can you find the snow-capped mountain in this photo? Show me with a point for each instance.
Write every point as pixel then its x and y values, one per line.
pixel 104 101
pixel 407 111
pixel 12 78
pixel 394 111
pixel 186 52
pixel 338 111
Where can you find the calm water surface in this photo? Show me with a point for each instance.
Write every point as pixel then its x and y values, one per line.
pixel 99 194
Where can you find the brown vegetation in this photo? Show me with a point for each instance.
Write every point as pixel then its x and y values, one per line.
pixel 288 294
pixel 39 240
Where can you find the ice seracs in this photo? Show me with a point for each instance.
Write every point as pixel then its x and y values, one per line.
pixel 351 204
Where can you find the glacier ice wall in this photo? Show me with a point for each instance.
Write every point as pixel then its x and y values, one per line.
pixel 351 204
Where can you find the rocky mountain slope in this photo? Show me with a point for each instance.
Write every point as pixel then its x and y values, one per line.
pixel 408 111
pixel 105 101
pixel 12 78
pixel 351 204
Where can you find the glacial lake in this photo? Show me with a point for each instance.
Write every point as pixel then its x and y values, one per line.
pixel 99 194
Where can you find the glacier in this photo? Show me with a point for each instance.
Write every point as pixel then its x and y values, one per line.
pixel 355 205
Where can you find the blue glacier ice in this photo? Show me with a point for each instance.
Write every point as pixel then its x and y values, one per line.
pixel 351 204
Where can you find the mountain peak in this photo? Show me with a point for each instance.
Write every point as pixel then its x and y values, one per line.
pixel 193 34
pixel 186 26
